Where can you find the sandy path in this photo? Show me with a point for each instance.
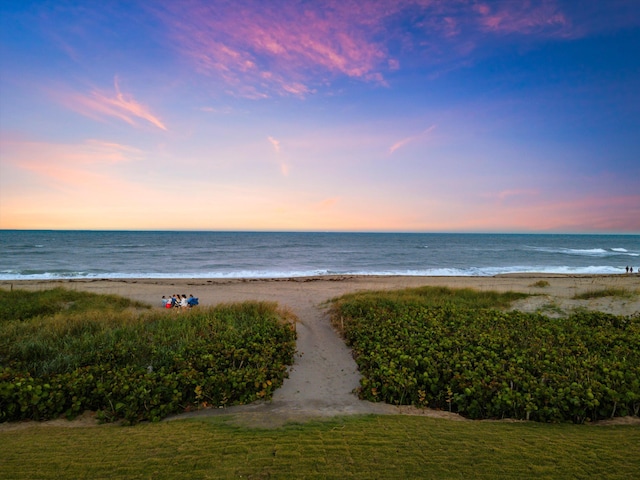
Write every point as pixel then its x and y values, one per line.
pixel 324 374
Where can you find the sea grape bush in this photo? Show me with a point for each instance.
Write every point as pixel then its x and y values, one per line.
pixel 145 366
pixel 486 363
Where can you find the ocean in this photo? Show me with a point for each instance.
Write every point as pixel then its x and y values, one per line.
pixel 34 255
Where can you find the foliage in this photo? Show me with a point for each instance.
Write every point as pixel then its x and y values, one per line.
pixel 141 366
pixel 380 447
pixel 540 284
pixel 485 363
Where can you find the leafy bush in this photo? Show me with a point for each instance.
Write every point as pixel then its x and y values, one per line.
pixel 485 363
pixel 133 366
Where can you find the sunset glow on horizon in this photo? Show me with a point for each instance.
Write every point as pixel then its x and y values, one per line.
pixel 405 115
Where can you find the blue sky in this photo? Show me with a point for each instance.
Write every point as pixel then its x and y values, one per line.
pixel 416 115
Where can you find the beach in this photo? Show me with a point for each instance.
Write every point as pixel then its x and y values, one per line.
pixel 300 292
pixel 324 374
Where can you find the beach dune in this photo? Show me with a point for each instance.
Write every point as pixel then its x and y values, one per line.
pixel 324 374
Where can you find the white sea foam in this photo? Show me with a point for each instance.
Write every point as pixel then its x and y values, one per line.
pixel 587 252
pixel 264 274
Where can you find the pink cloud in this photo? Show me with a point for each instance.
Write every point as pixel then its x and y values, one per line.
pixel 505 194
pixel 523 18
pixel 118 105
pixel 275 143
pixel 281 49
pixel 284 167
pixel 69 164
pixel 260 49
pixel 401 143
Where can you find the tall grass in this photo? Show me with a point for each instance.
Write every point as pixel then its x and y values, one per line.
pixel 66 341
pixel 23 304
pixel 605 292
pixel 427 297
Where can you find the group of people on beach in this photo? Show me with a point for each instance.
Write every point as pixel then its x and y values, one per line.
pixel 630 269
pixel 179 301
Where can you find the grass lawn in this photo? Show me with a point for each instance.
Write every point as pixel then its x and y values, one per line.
pixel 344 447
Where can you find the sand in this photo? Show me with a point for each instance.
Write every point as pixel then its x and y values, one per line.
pixel 324 374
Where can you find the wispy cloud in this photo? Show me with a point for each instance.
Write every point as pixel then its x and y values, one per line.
pixel 505 194
pixel 68 164
pixel 260 49
pixel 274 47
pixel 401 143
pixel 116 104
pixel 284 166
pixel 275 143
pixel 523 17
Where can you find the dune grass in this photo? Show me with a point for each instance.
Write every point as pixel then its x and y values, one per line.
pixel 344 447
pixel 24 304
pixel 435 296
pixel 605 292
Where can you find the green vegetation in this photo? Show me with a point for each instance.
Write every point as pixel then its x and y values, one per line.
pixel 136 364
pixel 606 292
pixel 344 448
pixel 552 309
pixel 24 305
pixel 540 284
pixel 433 296
pixel 412 347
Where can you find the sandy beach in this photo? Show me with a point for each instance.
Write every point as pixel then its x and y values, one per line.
pixel 324 374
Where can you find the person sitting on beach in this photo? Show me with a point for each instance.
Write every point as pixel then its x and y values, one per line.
pixel 165 300
pixel 183 301
pixel 192 301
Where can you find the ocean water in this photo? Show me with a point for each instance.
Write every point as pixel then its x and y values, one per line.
pixel 130 254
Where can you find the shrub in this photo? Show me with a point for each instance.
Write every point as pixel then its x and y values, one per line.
pixel 485 363
pixel 142 366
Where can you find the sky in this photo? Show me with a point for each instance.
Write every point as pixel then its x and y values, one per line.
pixel 321 115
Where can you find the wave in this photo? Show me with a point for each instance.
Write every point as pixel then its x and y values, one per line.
pixel 587 252
pixel 233 274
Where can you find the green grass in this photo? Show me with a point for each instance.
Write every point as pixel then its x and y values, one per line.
pixel 23 304
pixel 606 292
pixel 355 447
pixel 540 284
